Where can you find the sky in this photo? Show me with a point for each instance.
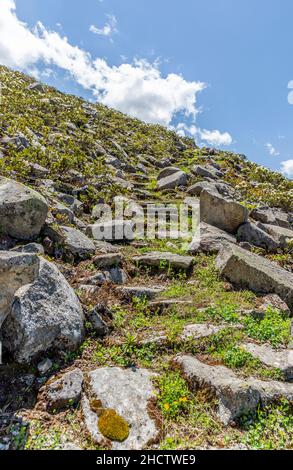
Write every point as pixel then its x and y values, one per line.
pixel 219 71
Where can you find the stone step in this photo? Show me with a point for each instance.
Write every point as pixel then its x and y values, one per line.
pixel 236 396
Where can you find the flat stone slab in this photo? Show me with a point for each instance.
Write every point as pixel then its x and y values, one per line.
pixel 129 392
pixel 250 271
pixel 203 330
pixel 280 359
pixel 148 293
pixel 159 259
pixel 107 260
pixel 180 178
pixel 236 396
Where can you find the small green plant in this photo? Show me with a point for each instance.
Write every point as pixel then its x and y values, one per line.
pixel 223 312
pixel 174 395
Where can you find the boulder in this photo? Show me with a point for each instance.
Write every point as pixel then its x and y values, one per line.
pixel 70 243
pixel 63 392
pixel 22 211
pixel 30 248
pixel 225 214
pixel 280 359
pixel 211 240
pixel 45 315
pixel 16 270
pixel 206 172
pixel 180 178
pixel 269 216
pixel 280 234
pixel 115 231
pixel 250 271
pixel 164 259
pixel 223 188
pixel 236 396
pixel 107 261
pixel 168 171
pixel 254 235
pixel 130 394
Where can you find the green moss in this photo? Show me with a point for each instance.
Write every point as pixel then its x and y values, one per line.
pixel 113 426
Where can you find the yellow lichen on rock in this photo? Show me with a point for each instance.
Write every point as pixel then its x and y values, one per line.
pixel 113 426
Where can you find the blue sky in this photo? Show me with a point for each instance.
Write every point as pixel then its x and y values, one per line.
pixel 230 60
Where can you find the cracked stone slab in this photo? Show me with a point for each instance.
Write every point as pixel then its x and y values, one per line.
pixel 129 392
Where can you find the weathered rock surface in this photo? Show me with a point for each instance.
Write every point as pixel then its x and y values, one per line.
pixel 206 172
pixel 168 171
pixel 64 391
pixel 130 393
pixel 16 270
pixel 107 260
pixel 280 359
pixel 201 330
pixel 173 181
pixel 280 234
pixel 225 214
pixel 248 270
pixel 236 396
pixel 210 240
pixel 165 259
pixel 269 216
pixel 22 211
pixel 45 315
pixel 140 292
pixel 112 231
pixel 253 234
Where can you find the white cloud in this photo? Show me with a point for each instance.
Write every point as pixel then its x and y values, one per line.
pixel 137 88
pixel 287 168
pixel 108 29
pixel 203 136
pixel 272 151
pixel 216 138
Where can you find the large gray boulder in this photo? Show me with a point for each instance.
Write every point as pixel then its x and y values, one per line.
pixel 45 315
pixel 256 273
pixel 130 393
pixel 180 178
pixel 16 270
pixel 267 215
pixel 22 211
pixel 223 213
pixel 253 234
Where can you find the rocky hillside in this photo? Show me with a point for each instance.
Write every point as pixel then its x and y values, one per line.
pixel 142 343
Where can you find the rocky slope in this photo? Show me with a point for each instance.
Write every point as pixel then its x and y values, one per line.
pixel 152 343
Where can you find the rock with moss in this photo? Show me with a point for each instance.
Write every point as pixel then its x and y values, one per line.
pixel 123 417
pixel 23 211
